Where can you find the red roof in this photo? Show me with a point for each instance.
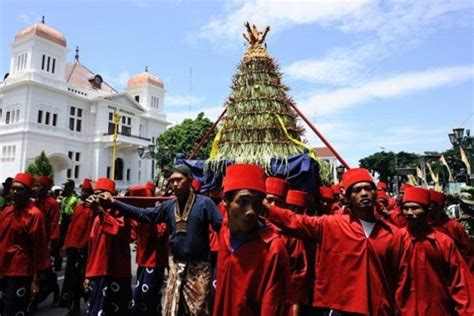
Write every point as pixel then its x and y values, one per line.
pixel 323 152
pixel 44 31
pixel 79 75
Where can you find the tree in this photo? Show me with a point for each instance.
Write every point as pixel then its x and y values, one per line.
pixel 40 166
pixel 182 138
pixel 384 163
pixel 258 111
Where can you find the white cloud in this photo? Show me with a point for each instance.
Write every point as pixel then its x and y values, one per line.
pixel 398 85
pixel 278 14
pixel 183 100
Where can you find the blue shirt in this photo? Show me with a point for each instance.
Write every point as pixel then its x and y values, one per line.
pixel 190 246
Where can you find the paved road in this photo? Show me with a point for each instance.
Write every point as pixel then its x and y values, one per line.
pixel 46 309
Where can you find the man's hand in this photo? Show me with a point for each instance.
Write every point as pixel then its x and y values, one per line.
pixel 34 288
pixel 106 199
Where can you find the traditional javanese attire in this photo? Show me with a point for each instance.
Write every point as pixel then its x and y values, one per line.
pixel 23 252
pixel 189 278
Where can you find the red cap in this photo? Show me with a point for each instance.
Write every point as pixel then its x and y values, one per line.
pixel 417 195
pixel 336 188
pixel 25 178
pixel 139 190
pixel 437 197
pixel 45 181
pixel 298 198
pixel 105 184
pixel 381 195
pixel 87 184
pixel 196 185
pixel 356 175
pixel 382 186
pixel 276 186
pixel 405 186
pixel 244 176
pixel 326 193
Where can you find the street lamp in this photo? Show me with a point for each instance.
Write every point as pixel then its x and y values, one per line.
pixel 457 138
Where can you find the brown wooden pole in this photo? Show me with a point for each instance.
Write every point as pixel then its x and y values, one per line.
pixel 321 137
pixel 206 136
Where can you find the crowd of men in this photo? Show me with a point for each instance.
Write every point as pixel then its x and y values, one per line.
pixel 256 246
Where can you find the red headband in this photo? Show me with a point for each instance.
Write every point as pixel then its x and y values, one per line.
pixel 105 184
pixel 139 190
pixel 45 181
pixel 244 176
pixel 298 198
pixel 417 195
pixel 437 197
pixel 25 178
pixel 276 186
pixel 356 175
pixel 326 193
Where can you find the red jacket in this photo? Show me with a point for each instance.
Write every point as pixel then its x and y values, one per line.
pixel 254 279
pixel 78 233
pixel 456 231
pixel 50 209
pixel 152 245
pixel 23 242
pixel 299 270
pixel 109 247
pixel 439 283
pixel 353 273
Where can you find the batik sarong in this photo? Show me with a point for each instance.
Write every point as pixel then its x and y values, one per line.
pixel 147 292
pixel 187 290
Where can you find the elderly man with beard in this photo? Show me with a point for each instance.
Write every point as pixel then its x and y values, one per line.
pixel 188 218
pixel 23 248
pixel 439 281
pixel 360 257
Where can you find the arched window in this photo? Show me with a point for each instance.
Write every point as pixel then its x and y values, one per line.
pixel 118 169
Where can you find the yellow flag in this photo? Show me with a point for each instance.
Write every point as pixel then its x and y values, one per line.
pixel 412 180
pixel 445 163
pixel 215 144
pixel 435 178
pixel 465 160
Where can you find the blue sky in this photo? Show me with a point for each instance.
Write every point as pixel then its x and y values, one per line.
pixel 397 74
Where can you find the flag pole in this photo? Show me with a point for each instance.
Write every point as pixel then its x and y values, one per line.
pixel 117 119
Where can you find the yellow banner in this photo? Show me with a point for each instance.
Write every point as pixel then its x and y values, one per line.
pixel 465 160
pixel 297 142
pixel 215 144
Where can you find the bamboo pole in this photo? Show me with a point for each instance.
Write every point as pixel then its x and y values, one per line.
pixel 206 136
pixel 321 137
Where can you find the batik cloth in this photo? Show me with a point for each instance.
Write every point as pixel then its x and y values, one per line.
pixel 188 288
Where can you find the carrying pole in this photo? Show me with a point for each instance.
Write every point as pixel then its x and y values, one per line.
pixel 206 136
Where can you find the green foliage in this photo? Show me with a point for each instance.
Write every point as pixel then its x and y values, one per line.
pixel 183 138
pixel 250 131
pixel 40 166
pixel 384 163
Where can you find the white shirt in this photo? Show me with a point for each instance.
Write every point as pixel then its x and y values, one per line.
pixel 368 227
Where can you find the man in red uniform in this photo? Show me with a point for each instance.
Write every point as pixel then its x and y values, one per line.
pixel 75 250
pixel 276 189
pixel 327 202
pixel 439 280
pixel 23 248
pixel 152 259
pixel 108 270
pixel 360 257
pixel 253 265
pixel 48 280
pixel 440 221
pixel 396 214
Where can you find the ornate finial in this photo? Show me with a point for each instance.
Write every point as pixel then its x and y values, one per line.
pixel 146 68
pixel 76 57
pixel 42 19
pixel 256 41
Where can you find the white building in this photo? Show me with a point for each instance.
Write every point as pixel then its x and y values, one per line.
pixel 67 111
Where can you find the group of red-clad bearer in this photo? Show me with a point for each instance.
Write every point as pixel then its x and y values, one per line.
pixel 363 254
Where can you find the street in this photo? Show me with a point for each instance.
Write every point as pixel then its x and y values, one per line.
pixel 46 309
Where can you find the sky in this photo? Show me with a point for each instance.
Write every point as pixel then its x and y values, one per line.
pixel 397 74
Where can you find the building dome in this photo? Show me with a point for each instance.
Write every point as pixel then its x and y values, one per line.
pixel 143 79
pixel 42 30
